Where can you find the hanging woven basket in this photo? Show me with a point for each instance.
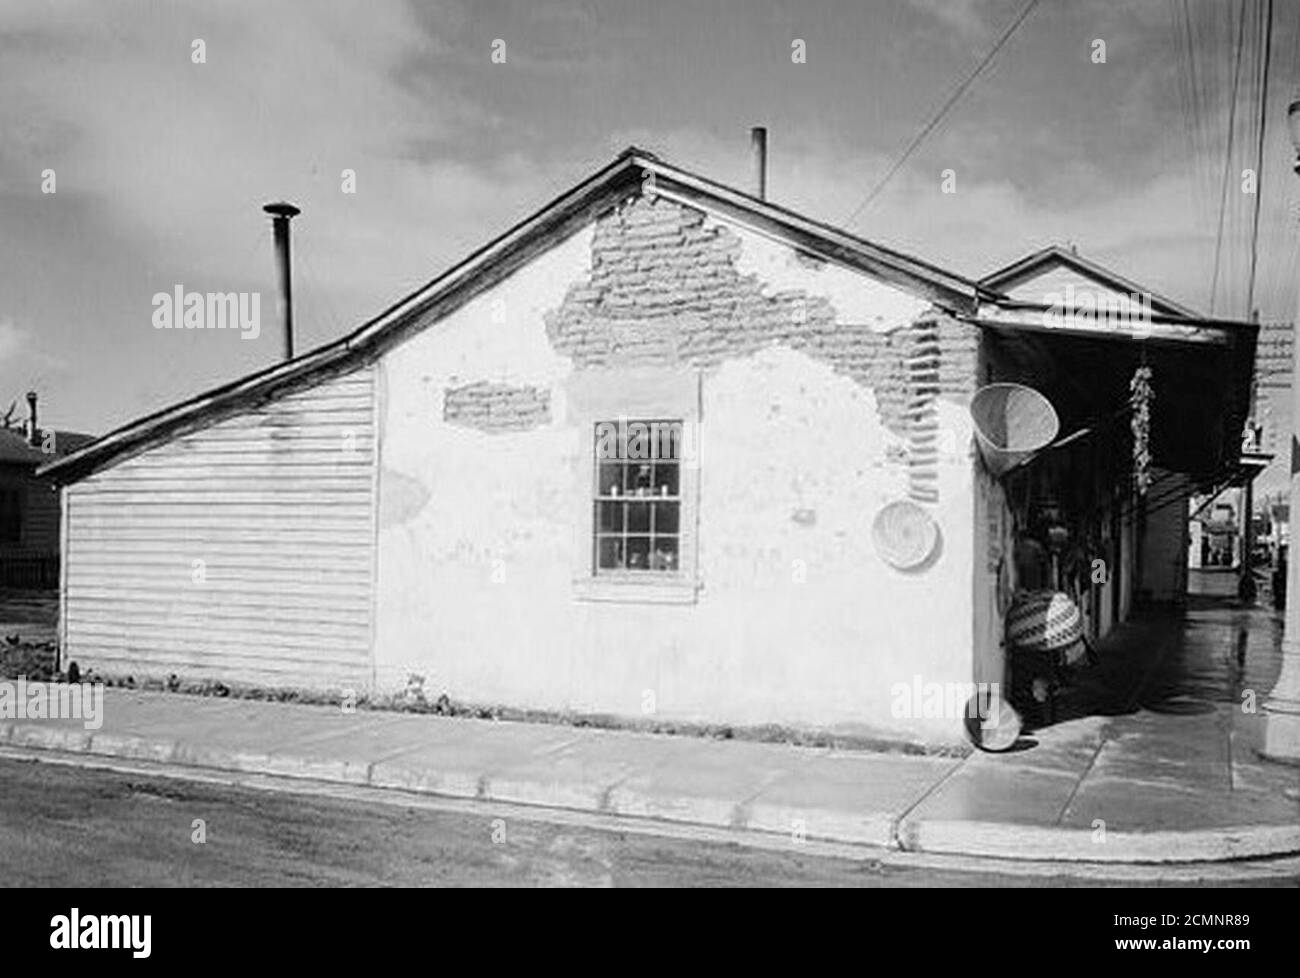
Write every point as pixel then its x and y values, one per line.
pixel 1012 422
pixel 1043 621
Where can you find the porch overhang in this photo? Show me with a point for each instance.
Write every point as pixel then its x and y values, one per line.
pixel 1201 375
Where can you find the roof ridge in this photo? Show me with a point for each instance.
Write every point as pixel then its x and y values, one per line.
pixel 581 202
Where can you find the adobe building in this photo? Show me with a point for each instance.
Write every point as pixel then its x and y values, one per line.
pixel 459 489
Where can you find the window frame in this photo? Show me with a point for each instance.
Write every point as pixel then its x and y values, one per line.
pixel 622 500
pixel 635 394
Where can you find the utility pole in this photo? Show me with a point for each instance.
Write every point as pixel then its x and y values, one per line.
pixel 1282 708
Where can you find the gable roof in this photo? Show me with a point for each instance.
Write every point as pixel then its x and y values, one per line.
pixel 626 175
pixel 1031 266
pixel 15 449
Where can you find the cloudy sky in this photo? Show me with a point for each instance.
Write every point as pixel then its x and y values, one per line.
pixel 162 165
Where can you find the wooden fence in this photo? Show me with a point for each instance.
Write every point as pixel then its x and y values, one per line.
pixel 35 572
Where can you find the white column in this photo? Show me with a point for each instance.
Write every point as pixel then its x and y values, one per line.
pixel 1282 708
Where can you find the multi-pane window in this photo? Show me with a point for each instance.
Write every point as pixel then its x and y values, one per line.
pixel 638 497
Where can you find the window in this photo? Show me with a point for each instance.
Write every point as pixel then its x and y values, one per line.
pixel 637 512
pixel 11 515
pixel 636 471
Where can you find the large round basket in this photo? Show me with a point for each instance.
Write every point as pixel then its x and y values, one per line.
pixel 1043 621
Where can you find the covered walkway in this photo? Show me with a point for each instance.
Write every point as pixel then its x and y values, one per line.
pixel 1165 727
pixel 1195 660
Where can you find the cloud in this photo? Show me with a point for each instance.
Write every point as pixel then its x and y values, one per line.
pixel 178 157
pixel 163 165
pixel 12 340
pixel 1142 228
pixel 967 17
pixel 19 352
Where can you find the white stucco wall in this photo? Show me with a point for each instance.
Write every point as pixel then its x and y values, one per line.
pixel 798 621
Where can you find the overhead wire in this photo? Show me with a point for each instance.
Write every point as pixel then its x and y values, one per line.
pixel 1227 156
pixel 1197 102
pixel 944 109
pixel 1183 79
pixel 1266 35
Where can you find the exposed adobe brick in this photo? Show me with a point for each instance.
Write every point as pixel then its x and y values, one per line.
pixel 664 290
pixel 496 407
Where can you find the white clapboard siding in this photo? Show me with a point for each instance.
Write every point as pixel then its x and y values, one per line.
pixel 278 506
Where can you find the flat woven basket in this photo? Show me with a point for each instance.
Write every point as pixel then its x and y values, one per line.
pixel 904 534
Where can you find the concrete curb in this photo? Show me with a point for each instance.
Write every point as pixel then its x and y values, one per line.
pixel 1060 844
pixel 866 828
pixel 1026 843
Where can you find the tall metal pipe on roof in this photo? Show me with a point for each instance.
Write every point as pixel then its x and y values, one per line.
pixel 33 432
pixel 758 161
pixel 281 215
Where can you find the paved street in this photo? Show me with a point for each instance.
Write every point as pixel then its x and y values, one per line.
pixel 73 826
pixel 1153 759
pixel 1158 726
pixel 1152 746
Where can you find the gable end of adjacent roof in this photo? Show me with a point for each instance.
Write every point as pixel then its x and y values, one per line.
pixel 1007 278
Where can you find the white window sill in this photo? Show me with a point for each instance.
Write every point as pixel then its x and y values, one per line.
pixel 638 589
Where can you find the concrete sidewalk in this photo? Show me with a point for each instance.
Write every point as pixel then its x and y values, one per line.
pixel 1140 788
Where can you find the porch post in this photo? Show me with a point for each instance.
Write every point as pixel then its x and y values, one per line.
pixel 1282 708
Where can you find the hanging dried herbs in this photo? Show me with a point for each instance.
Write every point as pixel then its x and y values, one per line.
pixel 1140 398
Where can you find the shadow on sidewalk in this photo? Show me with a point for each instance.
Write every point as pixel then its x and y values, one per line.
pixel 1176 660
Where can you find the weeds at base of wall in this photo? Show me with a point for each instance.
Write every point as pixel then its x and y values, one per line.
pixel 36 662
pixel 445 706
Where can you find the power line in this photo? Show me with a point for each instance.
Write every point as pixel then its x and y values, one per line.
pixel 1180 23
pixel 1227 156
pixel 1259 155
pixel 1198 114
pixel 943 111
